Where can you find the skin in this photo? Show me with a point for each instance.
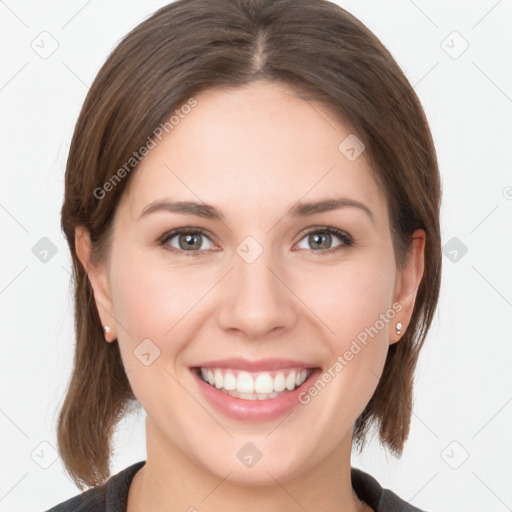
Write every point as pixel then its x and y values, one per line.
pixel 252 153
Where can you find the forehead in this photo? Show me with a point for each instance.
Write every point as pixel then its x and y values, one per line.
pixel 254 149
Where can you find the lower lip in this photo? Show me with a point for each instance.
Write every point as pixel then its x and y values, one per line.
pixel 254 410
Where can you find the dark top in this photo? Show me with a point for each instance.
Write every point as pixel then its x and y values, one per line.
pixel 112 496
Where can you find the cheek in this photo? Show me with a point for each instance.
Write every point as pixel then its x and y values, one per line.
pixel 149 303
pixel 350 298
pixel 150 298
pixel 354 303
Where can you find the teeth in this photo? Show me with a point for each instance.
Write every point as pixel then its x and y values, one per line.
pixel 254 386
pixel 218 379
pixel 247 396
pixel 229 382
pixel 290 381
pixel 279 382
pixel 245 383
pixel 264 384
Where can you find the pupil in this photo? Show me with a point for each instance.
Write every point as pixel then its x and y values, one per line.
pixel 317 239
pixel 189 241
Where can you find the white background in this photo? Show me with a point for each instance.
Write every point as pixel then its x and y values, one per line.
pixel 463 404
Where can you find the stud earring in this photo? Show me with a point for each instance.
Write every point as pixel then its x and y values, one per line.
pixel 398 327
pixel 106 328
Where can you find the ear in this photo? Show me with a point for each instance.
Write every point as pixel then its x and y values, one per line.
pixel 407 283
pixel 99 281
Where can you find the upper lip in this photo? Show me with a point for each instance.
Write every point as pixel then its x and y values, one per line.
pixel 237 363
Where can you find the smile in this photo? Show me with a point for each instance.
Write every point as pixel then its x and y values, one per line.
pixel 254 390
pixel 254 386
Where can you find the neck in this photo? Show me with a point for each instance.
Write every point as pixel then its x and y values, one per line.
pixel 170 477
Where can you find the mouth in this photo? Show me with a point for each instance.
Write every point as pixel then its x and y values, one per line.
pixel 246 385
pixel 254 390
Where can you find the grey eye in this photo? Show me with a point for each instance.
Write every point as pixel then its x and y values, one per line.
pixel 189 241
pixel 319 240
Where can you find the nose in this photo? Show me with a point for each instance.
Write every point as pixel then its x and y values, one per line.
pixel 257 299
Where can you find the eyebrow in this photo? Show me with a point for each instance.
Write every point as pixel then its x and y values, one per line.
pixel 310 208
pixel 301 209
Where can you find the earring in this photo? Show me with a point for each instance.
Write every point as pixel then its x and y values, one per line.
pixel 106 328
pixel 398 327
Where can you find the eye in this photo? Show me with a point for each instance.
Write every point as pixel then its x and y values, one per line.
pixel 190 241
pixel 320 239
pixel 187 240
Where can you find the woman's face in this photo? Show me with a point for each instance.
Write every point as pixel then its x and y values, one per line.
pixel 264 280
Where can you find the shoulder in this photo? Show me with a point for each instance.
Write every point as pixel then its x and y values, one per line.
pixel 111 496
pixel 380 500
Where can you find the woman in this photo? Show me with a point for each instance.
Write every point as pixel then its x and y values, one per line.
pixel 252 207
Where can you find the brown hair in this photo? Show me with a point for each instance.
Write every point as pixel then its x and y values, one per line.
pixel 326 55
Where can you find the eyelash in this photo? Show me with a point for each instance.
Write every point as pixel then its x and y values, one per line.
pixel 342 235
